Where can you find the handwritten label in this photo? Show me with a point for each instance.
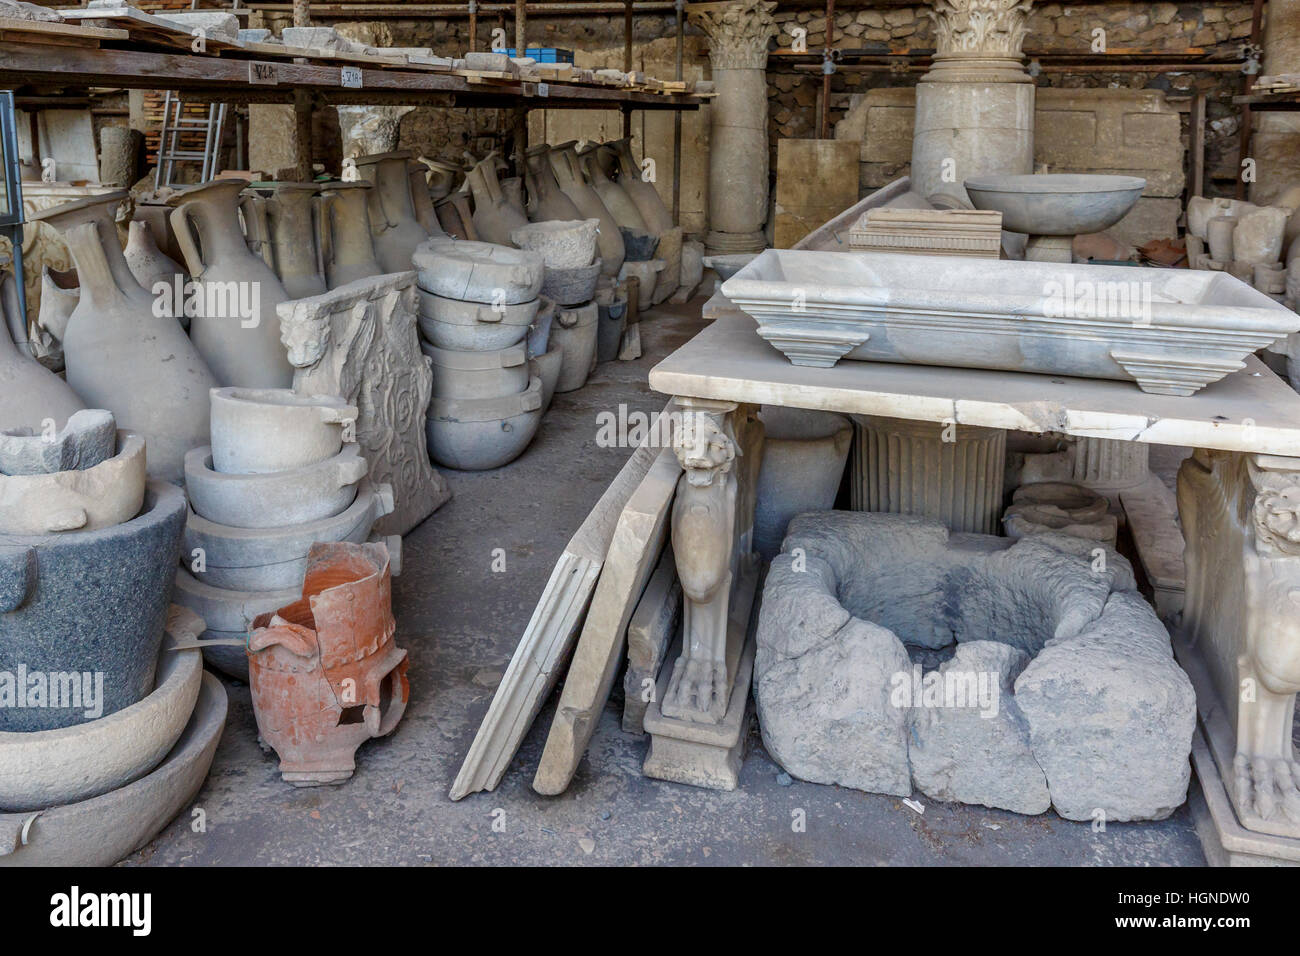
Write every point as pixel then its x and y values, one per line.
pixel 543 89
pixel 264 73
pixel 351 77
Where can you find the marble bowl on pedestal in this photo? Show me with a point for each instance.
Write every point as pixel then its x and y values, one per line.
pixel 1054 207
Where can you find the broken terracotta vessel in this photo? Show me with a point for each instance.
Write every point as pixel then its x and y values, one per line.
pixel 325 672
pixel 564 163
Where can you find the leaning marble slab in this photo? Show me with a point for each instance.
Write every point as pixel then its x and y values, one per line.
pixel 551 632
pixel 1173 331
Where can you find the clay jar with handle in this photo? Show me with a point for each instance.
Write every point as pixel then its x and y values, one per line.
pixel 545 200
pixel 238 330
pixel 343 224
pixel 618 202
pixel 393 224
pixel 494 215
pixel 292 233
pixel 29 392
pixel 564 162
pixel 656 215
pixel 325 672
pixel 123 348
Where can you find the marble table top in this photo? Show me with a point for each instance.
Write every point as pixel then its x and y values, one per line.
pixel 1250 410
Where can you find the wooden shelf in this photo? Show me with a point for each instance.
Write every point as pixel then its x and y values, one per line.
pixel 238 76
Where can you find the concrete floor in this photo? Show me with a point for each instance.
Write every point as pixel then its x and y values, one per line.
pixel 461 622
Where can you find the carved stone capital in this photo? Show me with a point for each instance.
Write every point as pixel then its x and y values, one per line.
pixel 738 32
pixel 979 27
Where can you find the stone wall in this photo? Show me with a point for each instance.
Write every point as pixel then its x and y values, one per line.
pixel 1222 28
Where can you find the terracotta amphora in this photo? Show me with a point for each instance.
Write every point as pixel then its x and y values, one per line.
pixel 123 347
pixel 656 215
pixel 149 264
pixel 422 199
pixel 295 252
pixel 618 202
pixel 564 162
pixel 324 672
pixel 456 217
pixel 494 215
pixel 343 225
pixel 393 222
pixel 29 392
pixel 545 200
pixel 442 177
pixel 234 323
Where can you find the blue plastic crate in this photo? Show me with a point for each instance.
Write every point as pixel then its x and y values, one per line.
pixel 547 54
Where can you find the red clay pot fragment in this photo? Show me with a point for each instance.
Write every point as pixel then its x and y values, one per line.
pixel 325 672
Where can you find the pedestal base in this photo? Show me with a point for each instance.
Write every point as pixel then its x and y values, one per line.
pixel 707 755
pixel 1225 841
pixel 730 243
pixel 1050 249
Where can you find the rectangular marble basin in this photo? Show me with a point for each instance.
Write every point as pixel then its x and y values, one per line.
pixel 1173 331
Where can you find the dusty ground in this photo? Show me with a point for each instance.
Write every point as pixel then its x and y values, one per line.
pixel 460 622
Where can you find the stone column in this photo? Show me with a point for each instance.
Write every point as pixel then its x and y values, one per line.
pixel 951 473
pixel 975 108
pixel 738 151
pixel 1275 145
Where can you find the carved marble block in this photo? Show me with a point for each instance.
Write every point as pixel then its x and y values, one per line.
pixel 359 341
pixel 930 232
pixel 1240 640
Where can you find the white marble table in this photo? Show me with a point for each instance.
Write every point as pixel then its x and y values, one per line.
pixel 1251 410
pixel 1238 505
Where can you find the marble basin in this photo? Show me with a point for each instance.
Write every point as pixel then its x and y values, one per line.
pixel 1056 204
pixel 1173 331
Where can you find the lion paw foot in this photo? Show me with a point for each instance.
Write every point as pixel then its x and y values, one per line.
pixel 1269 787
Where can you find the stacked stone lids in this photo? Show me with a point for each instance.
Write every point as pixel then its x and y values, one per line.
pixel 283 472
pixel 90 702
pixel 480 310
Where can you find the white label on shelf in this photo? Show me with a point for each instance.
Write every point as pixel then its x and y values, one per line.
pixel 267 73
pixel 543 89
pixel 352 77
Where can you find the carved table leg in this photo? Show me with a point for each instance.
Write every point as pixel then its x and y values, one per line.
pixel 1241 624
pixel 719 445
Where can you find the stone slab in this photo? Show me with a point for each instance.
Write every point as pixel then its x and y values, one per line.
pixel 815 180
pixel 1249 410
pixel 546 641
pixel 652 629
pixel 1152 513
pixel 638 540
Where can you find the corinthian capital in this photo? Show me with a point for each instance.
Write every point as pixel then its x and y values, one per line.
pixel 979 27
pixel 738 32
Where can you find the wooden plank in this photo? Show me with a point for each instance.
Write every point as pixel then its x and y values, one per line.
pixel 48 30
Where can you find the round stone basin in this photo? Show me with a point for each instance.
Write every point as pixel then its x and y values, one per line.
pixel 1056 204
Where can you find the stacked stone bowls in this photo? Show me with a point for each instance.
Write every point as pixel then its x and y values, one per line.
pixel 282 473
pixel 91 705
pixel 568 250
pixel 478 303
